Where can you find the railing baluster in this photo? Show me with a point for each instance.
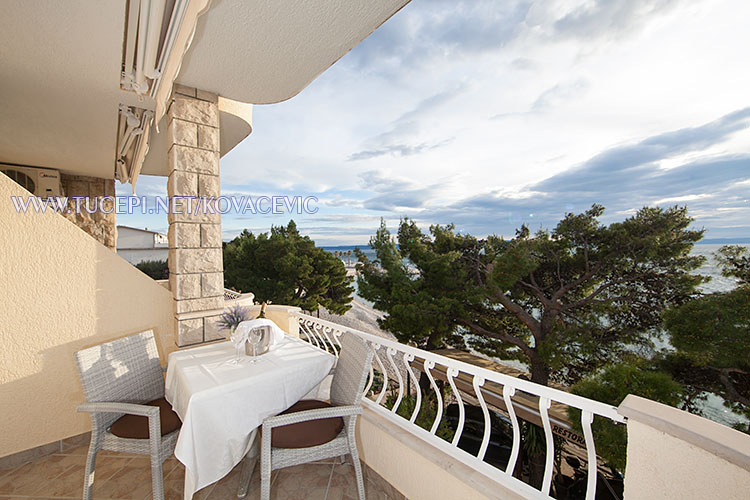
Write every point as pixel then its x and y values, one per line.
pixel 451 374
pixel 508 393
pixel 336 336
pixel 311 329
pixel 389 354
pixel 316 331
pixel 586 420
pixel 478 382
pixel 306 330
pixel 371 378
pixel 544 405
pixel 383 371
pixel 408 358
pixel 330 342
pixel 428 365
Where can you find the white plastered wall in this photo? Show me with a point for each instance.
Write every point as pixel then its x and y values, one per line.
pixel 418 470
pixel 664 467
pixel 61 291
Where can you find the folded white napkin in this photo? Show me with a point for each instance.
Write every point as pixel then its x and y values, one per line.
pixel 243 330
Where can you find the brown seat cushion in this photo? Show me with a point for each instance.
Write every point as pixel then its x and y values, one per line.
pixel 306 434
pixel 136 426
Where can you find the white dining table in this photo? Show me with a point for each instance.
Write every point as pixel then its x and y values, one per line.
pixel 221 404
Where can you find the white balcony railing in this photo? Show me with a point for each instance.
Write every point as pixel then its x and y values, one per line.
pixel 231 294
pixel 402 358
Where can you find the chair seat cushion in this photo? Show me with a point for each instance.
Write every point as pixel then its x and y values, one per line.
pixel 136 426
pixel 309 433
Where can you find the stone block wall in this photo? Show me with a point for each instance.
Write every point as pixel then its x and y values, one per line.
pixel 100 225
pixel 196 270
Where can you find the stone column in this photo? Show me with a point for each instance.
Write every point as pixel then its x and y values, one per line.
pixel 95 212
pixel 196 271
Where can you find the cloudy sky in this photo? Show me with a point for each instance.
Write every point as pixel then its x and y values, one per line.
pixel 491 114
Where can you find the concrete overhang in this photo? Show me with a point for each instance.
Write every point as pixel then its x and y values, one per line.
pixel 235 123
pixel 60 70
pixel 267 51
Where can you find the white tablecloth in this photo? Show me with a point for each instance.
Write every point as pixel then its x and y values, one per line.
pixel 220 404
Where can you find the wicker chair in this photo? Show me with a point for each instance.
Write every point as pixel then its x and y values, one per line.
pixel 118 378
pixel 348 383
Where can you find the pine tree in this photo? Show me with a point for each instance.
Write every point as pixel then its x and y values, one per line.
pixel 287 268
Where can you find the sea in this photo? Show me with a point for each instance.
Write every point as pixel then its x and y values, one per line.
pixel 711 268
pixel 713 407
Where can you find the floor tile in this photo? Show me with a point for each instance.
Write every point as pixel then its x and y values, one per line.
pixel 26 479
pixel 174 482
pixel 132 481
pixel 335 493
pixel 70 482
pixel 292 479
pixel 119 476
pixel 80 450
pixel 67 484
pixel 227 486
pixel 109 453
pixel 300 494
pixel 343 476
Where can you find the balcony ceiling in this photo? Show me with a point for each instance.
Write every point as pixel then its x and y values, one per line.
pixel 60 64
pixel 267 51
pixel 60 83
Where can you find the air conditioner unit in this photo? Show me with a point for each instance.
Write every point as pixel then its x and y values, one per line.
pixel 41 182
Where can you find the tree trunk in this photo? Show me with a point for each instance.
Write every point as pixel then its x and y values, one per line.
pixel 536 469
pixel 539 370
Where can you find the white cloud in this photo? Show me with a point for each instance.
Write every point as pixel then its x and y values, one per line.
pixel 457 99
pixel 680 199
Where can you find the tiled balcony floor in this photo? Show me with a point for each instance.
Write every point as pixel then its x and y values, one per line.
pixel 125 476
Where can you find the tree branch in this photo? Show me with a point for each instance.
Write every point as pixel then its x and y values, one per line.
pixel 499 336
pixel 602 288
pixel 519 312
pixel 588 274
pixel 536 291
pixel 724 377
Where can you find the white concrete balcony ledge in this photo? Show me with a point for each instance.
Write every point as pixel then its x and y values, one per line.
pixel 673 454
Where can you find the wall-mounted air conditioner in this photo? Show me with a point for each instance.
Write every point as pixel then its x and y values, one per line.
pixel 41 182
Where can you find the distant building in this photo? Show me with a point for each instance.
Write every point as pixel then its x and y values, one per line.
pixel 136 245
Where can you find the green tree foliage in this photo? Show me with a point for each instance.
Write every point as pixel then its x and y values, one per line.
pixel 566 301
pixel 287 268
pixel 611 386
pixel 712 336
pixel 421 301
pixel 157 269
pixel 735 263
pixel 425 417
